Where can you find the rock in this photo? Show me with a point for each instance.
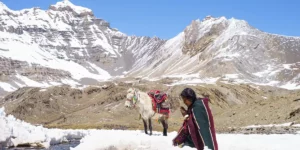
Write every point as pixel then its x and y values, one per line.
pixel 295 112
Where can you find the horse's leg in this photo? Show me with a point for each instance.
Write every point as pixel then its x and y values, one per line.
pixel 150 125
pixel 164 122
pixel 145 126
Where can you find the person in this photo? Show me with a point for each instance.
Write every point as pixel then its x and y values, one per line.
pixel 198 128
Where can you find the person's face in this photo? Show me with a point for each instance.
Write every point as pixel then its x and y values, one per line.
pixel 186 101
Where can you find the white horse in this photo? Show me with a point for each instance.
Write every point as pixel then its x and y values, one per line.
pixel 143 102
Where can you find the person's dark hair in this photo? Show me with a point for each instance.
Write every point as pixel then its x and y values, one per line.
pixel 189 94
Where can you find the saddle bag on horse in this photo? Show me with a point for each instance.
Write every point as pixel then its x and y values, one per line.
pixel 159 100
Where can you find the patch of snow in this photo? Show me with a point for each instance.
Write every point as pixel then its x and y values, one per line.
pixel 27 133
pixel 3 6
pixel 270 125
pixel 287 66
pixel 118 68
pixel 254 86
pixel 138 140
pixel 70 82
pixel 231 76
pixel 184 76
pixel 30 82
pixel 32 53
pixel 291 86
pixel 7 87
pixel 258 142
pixel 227 55
pixel 55 83
pixel 81 87
pixel 228 80
pixel 103 73
pixel 67 3
pixel 102 139
pixel 151 79
pixel 194 81
pixel 43 90
pixel 127 140
pixel 264 72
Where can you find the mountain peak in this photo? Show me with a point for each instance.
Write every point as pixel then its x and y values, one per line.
pixel 208 18
pixel 67 5
pixel 206 22
pixel 3 6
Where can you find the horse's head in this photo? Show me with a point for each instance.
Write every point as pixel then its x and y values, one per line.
pixel 130 98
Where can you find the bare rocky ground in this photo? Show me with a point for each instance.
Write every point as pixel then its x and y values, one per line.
pixel 102 106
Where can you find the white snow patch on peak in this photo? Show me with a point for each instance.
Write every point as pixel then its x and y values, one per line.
pixel 202 27
pixel 3 6
pixel 67 3
pixel 211 18
pixel 119 34
pixel 207 22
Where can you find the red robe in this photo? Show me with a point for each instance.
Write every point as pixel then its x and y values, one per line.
pixel 198 129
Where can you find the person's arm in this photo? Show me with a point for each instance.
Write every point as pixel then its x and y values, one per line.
pixel 183 111
pixel 181 135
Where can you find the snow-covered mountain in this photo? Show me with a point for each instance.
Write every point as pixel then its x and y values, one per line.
pixel 68 44
pixel 227 50
pixel 64 44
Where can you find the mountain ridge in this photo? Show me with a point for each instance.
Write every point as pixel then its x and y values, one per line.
pixel 71 39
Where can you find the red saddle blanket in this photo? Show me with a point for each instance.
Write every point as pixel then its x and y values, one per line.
pixel 158 98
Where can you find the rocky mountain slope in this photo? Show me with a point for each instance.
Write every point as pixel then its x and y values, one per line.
pixel 64 44
pixel 67 44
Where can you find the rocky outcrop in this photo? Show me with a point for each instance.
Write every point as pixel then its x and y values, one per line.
pixel 199 37
pixel 9 67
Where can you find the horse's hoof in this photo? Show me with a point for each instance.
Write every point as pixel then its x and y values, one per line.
pixel 165 132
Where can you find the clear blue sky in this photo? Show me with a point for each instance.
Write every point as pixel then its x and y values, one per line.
pixel 166 18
